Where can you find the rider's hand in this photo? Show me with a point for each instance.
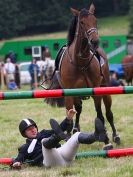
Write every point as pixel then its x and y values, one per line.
pixel 16 165
pixel 70 113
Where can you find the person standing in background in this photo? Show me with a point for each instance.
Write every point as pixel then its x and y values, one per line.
pixel 11 55
pixel 17 76
pixel 34 73
pixel 41 64
pixel 10 70
pixel 49 65
pixel 114 81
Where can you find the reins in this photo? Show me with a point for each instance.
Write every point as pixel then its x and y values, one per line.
pixel 50 79
pixel 81 68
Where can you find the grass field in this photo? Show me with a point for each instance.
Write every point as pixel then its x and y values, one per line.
pixel 113 25
pixel 12 111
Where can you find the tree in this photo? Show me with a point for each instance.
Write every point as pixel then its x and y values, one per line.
pixel 26 17
pixel 131 19
pixel 8 21
pixel 120 6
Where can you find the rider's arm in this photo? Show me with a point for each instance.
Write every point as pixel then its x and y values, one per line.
pixel 67 123
pixel 21 157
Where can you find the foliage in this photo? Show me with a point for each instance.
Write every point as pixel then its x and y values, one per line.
pixel 8 22
pixel 131 18
pixel 26 17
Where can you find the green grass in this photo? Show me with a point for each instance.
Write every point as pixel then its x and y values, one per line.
pixel 113 25
pixel 12 111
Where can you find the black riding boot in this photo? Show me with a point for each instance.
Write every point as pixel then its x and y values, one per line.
pixel 51 142
pixel 98 135
pixel 85 138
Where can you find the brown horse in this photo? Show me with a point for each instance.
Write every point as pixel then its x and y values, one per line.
pixel 127 63
pixel 80 68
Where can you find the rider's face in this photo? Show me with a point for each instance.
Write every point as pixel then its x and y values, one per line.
pixel 31 132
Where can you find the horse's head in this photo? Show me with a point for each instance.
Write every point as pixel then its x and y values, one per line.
pixel 87 24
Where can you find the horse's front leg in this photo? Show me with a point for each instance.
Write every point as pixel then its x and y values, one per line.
pixel 97 102
pixel 78 108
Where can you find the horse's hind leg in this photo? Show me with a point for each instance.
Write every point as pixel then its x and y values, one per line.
pixel 78 108
pixel 97 102
pixel 108 102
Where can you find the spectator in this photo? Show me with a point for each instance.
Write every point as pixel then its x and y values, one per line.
pixel 34 73
pixel 10 70
pixel 17 76
pixel 12 56
pixel 12 85
pixel 49 65
pixel 114 81
pixel 41 64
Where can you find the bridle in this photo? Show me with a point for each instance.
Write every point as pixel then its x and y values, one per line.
pixel 87 34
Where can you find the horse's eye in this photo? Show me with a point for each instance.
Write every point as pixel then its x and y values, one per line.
pixel 82 22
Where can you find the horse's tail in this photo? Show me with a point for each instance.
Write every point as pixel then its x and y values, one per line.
pixel 54 84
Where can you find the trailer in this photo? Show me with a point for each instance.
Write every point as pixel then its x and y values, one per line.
pixel 114 46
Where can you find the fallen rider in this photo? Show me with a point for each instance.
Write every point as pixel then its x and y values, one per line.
pixel 44 148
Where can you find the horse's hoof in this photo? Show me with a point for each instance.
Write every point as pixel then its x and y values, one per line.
pixel 108 146
pixel 117 140
pixel 75 130
pixel 85 97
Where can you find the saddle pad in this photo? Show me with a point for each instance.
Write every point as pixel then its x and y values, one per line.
pixel 102 62
pixel 64 50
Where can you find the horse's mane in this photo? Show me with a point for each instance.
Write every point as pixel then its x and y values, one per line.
pixel 72 30
pixel 72 26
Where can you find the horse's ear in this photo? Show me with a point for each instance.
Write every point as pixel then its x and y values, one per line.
pixel 74 12
pixel 92 9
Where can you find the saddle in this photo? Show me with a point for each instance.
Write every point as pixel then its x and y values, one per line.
pixel 59 57
pixel 58 60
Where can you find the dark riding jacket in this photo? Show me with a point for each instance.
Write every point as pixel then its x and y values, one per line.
pixel 36 156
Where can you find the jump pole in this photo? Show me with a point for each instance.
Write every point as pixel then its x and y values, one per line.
pixel 6 161
pixel 106 153
pixel 114 153
pixel 66 92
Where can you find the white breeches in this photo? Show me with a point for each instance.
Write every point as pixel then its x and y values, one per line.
pixel 63 155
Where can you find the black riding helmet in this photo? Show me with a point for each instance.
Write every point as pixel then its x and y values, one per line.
pixel 24 124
